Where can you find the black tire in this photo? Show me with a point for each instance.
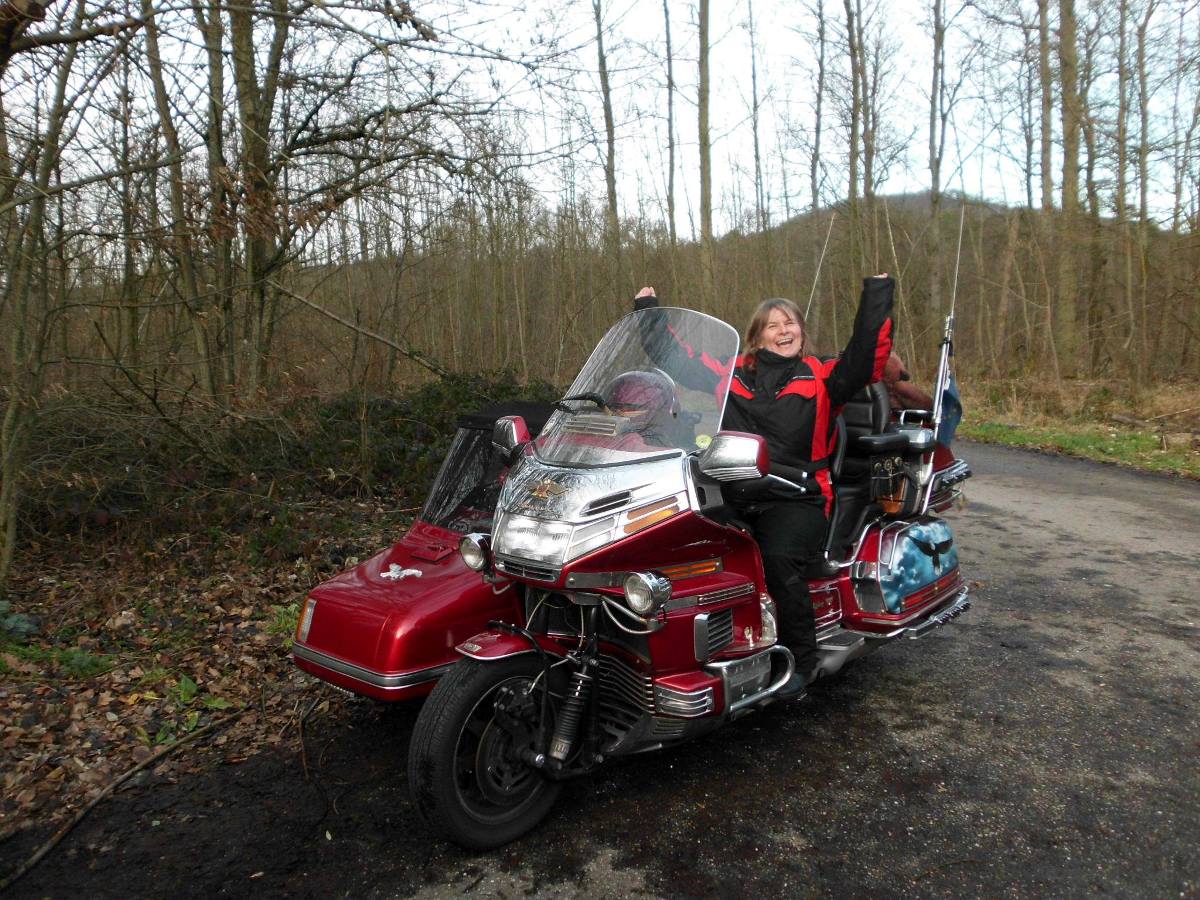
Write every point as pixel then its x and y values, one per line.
pixel 476 809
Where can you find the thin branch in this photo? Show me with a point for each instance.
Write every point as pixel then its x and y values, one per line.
pixel 415 355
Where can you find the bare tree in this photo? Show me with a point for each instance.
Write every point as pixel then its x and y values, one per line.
pixel 670 139
pixel 610 155
pixel 708 244
pixel 1046 88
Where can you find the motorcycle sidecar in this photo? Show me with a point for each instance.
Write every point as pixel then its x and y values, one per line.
pixel 387 628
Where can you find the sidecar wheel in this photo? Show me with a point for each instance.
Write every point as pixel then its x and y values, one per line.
pixel 463 768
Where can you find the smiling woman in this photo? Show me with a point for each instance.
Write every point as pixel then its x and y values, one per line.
pixel 777 325
pixel 791 399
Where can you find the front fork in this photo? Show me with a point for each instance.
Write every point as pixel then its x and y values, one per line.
pixel 578 708
pixel 581 698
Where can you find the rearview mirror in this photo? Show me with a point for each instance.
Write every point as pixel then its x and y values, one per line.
pixel 734 456
pixel 509 433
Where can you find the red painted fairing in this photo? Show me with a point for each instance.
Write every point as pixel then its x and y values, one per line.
pixel 499 644
pixel 687 538
pixel 943 457
pixel 399 626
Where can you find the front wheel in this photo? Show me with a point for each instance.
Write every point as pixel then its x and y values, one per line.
pixel 464 766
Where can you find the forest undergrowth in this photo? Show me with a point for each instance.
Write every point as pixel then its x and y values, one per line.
pixel 163 563
pixel 166 553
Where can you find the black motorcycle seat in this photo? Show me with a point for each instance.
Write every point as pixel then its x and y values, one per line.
pixel 882 444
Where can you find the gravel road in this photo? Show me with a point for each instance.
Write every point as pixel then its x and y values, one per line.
pixel 1043 744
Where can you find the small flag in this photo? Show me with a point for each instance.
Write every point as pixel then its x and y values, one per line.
pixel 952 413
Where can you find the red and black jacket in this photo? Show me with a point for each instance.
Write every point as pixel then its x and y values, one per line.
pixel 793 402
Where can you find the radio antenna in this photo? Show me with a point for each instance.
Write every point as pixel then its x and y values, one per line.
pixel 962 218
pixel 947 349
pixel 820 262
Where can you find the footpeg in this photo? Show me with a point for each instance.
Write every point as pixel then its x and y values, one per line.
pixel 837 647
pixel 840 641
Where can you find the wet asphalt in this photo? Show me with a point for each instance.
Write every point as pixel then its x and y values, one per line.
pixel 1044 744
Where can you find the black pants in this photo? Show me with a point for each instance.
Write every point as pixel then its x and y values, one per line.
pixel 790 535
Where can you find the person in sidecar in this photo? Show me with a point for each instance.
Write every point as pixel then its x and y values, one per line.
pixel 647 400
pixel 904 394
pixel 791 398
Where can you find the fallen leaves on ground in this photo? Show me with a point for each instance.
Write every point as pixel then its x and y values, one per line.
pixel 140 649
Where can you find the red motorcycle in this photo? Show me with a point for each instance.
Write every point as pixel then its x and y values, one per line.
pixel 627 602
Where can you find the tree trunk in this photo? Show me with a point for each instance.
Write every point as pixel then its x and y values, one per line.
pixel 936 145
pixel 671 145
pixel 189 290
pixel 613 222
pixel 708 264
pixel 854 51
pixel 760 202
pixel 1067 312
pixel 1046 79
pixel 27 329
pixel 814 165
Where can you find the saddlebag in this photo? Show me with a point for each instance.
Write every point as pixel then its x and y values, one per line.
pixel 915 563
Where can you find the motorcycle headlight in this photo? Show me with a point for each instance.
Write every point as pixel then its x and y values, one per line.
pixel 475 552
pixel 644 592
pixel 527 538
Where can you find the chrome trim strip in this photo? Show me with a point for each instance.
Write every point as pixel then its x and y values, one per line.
pixel 584 580
pixel 683 704
pixel 700 637
pixel 527 568
pixel 369 676
pixel 736 590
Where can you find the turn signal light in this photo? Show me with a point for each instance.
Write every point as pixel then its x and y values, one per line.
pixel 645 516
pixel 304 623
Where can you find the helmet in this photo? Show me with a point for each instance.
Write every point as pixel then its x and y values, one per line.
pixel 642 391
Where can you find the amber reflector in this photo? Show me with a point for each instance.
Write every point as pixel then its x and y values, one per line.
pixel 691 570
pixel 645 516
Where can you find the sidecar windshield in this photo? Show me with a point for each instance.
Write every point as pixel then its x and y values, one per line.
pixel 463 497
pixel 655 385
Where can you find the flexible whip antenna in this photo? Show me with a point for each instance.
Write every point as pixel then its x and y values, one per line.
pixel 820 262
pixel 962 218
pixel 947 349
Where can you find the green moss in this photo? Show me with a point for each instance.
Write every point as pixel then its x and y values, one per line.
pixel 282 622
pixel 70 663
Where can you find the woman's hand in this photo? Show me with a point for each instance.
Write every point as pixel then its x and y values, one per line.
pixel 645 299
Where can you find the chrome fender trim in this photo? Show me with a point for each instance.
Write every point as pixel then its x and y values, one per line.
pixel 369 676
pixel 491 657
pixel 953 608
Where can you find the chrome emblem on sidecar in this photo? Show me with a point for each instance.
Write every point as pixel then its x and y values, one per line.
pixel 396 573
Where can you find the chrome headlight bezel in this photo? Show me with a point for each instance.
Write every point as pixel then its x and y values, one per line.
pixel 645 591
pixel 525 537
pixel 476 552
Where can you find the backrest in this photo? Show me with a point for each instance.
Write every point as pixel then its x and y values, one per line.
pixel 868 412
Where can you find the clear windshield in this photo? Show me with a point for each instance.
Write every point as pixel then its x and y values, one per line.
pixel 656 384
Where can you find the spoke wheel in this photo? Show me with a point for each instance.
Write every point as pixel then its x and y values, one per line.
pixel 465 766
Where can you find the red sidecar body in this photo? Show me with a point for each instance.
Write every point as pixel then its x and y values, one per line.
pixel 387 628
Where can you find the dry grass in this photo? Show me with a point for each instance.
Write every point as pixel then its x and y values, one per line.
pixel 1156 430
